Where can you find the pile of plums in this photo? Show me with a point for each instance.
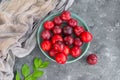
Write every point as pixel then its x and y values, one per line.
pixel 63 36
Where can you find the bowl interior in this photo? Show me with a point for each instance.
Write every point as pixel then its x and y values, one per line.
pixel 84 47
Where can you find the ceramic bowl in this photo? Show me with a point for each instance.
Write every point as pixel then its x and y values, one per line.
pixel 81 22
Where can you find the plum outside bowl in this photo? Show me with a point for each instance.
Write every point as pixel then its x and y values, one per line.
pixel 81 22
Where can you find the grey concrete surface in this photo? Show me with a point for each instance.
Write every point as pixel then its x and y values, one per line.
pixel 103 19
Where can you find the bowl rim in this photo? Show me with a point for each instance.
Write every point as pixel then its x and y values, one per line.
pixel 38 37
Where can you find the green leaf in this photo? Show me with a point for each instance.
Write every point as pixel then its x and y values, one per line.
pixel 17 77
pixel 25 70
pixel 30 77
pixel 37 62
pixel 44 65
pixel 40 62
pixel 38 74
pixel 33 78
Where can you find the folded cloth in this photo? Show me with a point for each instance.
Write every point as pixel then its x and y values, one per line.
pixel 17 31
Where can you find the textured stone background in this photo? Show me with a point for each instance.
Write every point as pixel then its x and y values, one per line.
pixel 103 19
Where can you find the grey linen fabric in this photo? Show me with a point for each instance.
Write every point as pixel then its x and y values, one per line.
pixel 17 31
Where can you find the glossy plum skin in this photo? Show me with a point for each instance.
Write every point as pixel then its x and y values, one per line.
pixel 86 36
pixel 92 59
pixel 78 42
pixel 67 30
pixel 52 53
pixel 72 22
pixel 58 46
pixel 46 34
pixel 68 40
pixel 46 45
pixel 61 58
pixel 78 30
pixel 66 50
pixel 56 38
pixel 48 25
pixel 75 51
pixel 57 20
pixel 57 30
pixel 66 15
